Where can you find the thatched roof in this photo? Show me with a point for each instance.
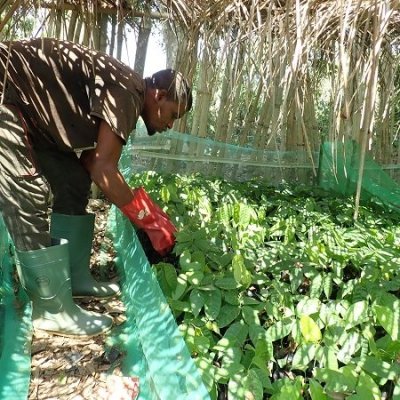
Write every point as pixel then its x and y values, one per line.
pixel 248 14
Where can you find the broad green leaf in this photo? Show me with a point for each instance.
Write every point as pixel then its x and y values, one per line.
pixel 170 275
pixel 227 315
pixel 389 319
pixel 212 303
pixel 367 389
pixel 226 283
pixel 328 315
pixel 237 332
pixel 316 287
pixel 250 301
pixel 253 388
pixel 191 262
pixel 264 379
pixel 230 364
pixel 349 347
pixel 326 356
pixel 185 259
pixel 177 305
pixel 250 315
pixel 165 194
pixel 327 285
pixel 194 277
pixel 196 301
pixel 224 344
pixel 379 368
pixel 232 297
pixel 246 387
pixel 342 381
pixel 224 373
pixel 280 329
pixel 296 279
pixel 309 329
pixel 240 273
pixel 308 306
pixel 263 353
pixel 207 370
pixel 289 390
pixel 257 332
pixel 242 215
pixel 396 391
pixel 198 344
pixel 303 356
pixel 181 286
pixel 387 348
pixel 316 391
pixel 224 214
pixel 356 314
pixel 272 310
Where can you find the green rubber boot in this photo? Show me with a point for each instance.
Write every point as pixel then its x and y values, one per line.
pixel 78 230
pixel 44 274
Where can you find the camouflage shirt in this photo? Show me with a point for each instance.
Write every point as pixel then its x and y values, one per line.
pixel 64 90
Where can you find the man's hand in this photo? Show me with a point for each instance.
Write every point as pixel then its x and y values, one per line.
pixel 146 215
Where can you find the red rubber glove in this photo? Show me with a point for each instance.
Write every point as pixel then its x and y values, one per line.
pixel 146 215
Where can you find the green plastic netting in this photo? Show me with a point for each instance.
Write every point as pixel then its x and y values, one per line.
pixel 154 347
pixel 15 328
pixel 339 172
pixel 178 152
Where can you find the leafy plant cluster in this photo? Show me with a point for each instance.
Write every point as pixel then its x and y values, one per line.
pixel 279 293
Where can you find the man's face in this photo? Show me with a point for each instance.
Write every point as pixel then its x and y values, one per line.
pixel 159 113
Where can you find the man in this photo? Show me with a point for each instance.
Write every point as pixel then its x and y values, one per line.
pixel 65 114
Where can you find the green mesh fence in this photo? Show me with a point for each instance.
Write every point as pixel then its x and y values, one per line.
pixel 339 172
pixel 15 329
pixel 153 346
pixel 178 152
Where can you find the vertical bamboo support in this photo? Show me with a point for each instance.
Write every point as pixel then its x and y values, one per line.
pixel 141 44
pixel 186 62
pixel 113 34
pixel 72 24
pixel 221 125
pixel 171 43
pixel 380 18
pixel 120 38
pixel 383 129
pixel 78 34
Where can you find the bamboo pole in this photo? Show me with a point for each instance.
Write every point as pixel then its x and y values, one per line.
pixel 383 130
pixel 72 25
pixel 380 20
pixel 120 38
pixel 113 34
pixel 141 44
pixel 123 11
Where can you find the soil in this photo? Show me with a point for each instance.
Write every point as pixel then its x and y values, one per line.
pixel 79 369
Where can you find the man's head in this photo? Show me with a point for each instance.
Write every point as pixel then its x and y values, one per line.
pixel 167 98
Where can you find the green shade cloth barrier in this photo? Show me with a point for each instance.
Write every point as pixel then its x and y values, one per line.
pixel 173 152
pixel 153 346
pixel 15 329
pixel 339 170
